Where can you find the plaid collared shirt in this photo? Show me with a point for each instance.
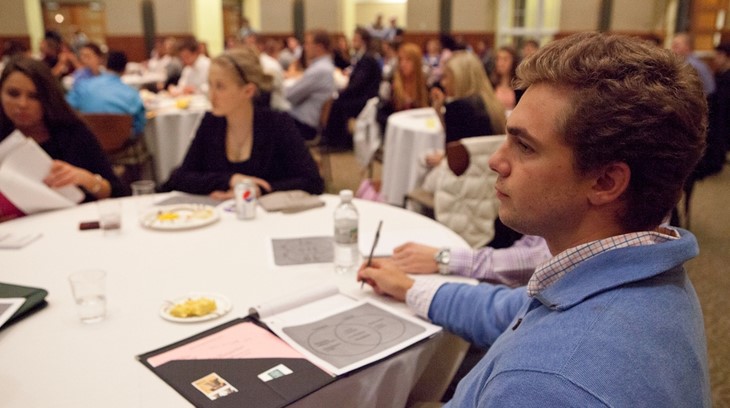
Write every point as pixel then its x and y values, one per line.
pixel 556 267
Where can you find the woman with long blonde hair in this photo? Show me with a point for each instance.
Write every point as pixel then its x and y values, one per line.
pixel 467 105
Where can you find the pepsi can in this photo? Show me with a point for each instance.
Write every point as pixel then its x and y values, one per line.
pixel 245 195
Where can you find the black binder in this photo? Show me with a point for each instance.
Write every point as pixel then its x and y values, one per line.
pixel 241 374
pixel 35 299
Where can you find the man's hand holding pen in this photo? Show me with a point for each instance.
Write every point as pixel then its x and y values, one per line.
pixel 385 278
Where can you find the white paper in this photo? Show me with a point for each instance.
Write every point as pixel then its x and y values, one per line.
pixel 16 241
pixel 10 143
pixel 8 306
pixel 340 334
pixel 21 180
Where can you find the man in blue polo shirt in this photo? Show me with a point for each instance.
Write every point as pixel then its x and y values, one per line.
pixel 595 158
pixel 106 93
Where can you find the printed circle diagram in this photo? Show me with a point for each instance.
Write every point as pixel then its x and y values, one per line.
pixel 355 335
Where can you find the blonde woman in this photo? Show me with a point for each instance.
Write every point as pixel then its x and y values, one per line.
pixel 242 138
pixel 467 105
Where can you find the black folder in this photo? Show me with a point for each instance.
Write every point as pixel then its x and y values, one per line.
pixel 239 373
pixel 35 299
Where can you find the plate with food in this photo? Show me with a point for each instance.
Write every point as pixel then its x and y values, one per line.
pixel 195 307
pixel 180 216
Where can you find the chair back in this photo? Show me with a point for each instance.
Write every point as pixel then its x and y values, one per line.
pixel 112 130
pixel 366 136
pixel 324 114
pixel 463 185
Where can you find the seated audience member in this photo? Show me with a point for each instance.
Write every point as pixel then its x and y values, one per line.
pixel 595 158
pixel 722 94
pixel 503 76
pixel 389 54
pixel 166 63
pixel 92 62
pixel 292 52
pixel 469 107
pixel 408 89
pixel 57 55
pixel 363 84
pixel 32 102
pixel 239 139
pixel 194 76
pixel 529 48
pixel 271 67
pixel 106 93
pixel 341 53
pixel 314 87
pixel 682 46
pixel 511 266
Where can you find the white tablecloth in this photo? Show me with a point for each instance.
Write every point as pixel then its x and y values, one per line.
pixel 408 136
pixel 168 135
pixel 52 359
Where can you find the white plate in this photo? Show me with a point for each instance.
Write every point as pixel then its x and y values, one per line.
pixel 223 306
pixel 180 216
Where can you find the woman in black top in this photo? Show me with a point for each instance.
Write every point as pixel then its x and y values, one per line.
pixel 33 103
pixel 469 107
pixel 242 139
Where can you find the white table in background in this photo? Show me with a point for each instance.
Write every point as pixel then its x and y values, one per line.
pixel 169 132
pixel 52 359
pixel 409 135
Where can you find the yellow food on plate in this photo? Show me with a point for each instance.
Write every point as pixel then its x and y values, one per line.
pixel 167 216
pixel 193 307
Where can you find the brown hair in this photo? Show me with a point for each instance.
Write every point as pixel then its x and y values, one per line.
pixel 321 37
pixel 56 112
pixel 413 53
pixel 633 103
pixel 244 62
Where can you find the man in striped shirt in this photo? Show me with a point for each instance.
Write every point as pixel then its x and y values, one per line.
pixel 596 155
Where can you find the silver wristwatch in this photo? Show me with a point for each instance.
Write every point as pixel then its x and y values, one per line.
pixel 442 258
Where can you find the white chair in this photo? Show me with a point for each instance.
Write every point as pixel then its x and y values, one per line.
pixel 366 135
pixel 463 189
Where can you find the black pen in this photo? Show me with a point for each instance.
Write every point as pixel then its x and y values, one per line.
pixel 372 250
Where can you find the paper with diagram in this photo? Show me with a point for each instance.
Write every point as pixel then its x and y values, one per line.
pixel 340 334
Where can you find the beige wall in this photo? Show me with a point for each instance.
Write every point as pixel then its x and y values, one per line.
pixel 326 14
pixel 633 15
pixel 171 16
pixel 12 18
pixel 580 15
pixel 365 13
pixel 276 16
pixel 423 15
pixel 467 15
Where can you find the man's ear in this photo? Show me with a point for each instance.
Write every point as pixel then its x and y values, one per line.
pixel 610 183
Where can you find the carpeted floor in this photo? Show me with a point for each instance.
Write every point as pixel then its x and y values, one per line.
pixel 710 271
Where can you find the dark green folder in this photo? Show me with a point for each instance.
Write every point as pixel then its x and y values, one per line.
pixel 35 299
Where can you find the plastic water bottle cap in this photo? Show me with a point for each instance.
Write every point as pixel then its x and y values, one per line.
pixel 346 195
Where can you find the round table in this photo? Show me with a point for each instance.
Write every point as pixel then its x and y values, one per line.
pixel 409 135
pixel 52 359
pixel 170 130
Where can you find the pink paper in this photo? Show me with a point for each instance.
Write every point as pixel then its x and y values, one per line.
pixel 242 341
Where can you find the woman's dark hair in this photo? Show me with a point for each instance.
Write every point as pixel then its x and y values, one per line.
pixel 56 112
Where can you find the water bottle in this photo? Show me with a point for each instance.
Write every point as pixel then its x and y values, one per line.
pixel 347 253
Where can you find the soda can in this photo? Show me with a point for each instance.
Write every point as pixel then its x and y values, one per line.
pixel 245 195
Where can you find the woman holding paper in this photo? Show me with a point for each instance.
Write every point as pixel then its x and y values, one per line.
pixel 241 138
pixel 33 103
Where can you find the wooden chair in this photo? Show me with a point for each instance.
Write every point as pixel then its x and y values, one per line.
pixel 127 153
pixel 317 148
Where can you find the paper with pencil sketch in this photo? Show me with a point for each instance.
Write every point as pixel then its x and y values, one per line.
pixel 340 334
pixel 23 166
pixel 392 238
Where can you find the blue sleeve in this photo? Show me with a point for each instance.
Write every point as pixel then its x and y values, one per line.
pixel 479 313
pixel 523 388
